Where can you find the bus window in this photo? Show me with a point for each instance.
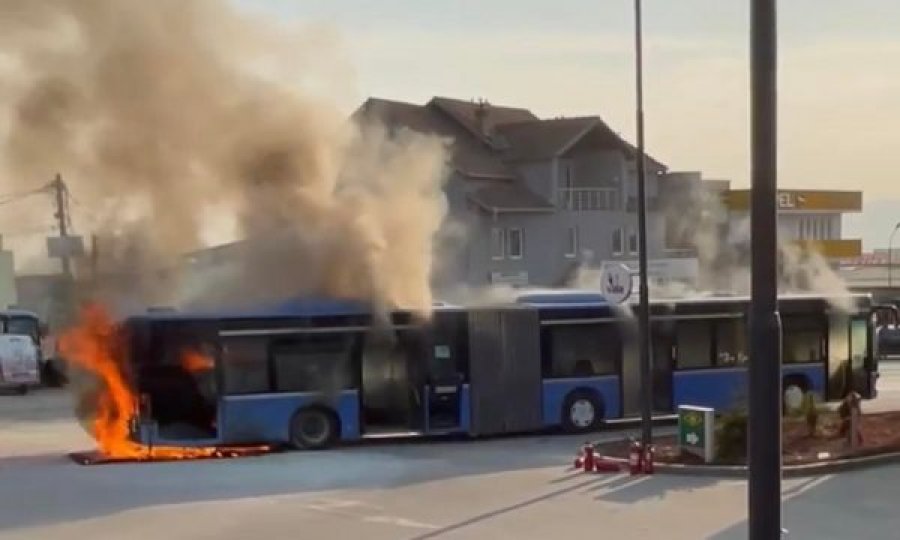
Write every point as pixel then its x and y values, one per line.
pixel 731 343
pixel 803 339
pixel 694 345
pixel 245 366
pixel 859 343
pixel 584 351
pixel 314 363
pixel 442 366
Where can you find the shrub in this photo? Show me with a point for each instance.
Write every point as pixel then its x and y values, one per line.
pixel 811 413
pixel 731 437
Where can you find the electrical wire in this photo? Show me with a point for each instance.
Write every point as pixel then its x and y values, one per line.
pixel 8 198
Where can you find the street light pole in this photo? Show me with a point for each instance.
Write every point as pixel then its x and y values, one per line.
pixel 764 430
pixel 644 300
pixel 891 253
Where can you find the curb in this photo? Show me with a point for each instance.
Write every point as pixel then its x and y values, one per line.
pixel 787 471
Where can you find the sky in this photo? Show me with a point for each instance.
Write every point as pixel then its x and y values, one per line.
pixel 839 81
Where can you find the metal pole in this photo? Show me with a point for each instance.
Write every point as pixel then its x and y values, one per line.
pixel 764 433
pixel 644 301
pixel 60 188
pixel 891 253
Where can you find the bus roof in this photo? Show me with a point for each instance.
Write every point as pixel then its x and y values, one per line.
pixel 570 297
pixel 538 299
pixel 293 308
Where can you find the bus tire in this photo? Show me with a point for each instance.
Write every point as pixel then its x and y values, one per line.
pixel 22 389
pixel 792 387
pixel 582 411
pixel 313 428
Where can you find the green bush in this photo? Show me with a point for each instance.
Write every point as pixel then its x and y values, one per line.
pixel 810 410
pixel 731 437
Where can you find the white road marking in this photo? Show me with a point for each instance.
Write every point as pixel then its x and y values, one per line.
pixel 400 522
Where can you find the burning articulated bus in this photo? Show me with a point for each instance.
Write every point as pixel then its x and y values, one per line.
pixel 314 373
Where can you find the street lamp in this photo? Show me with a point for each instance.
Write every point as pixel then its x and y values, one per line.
pixel 764 429
pixel 644 300
pixel 891 253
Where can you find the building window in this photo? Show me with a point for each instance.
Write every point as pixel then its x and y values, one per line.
pixel 632 242
pixel 498 242
pixel 829 232
pixel 572 243
pixel 617 241
pixel 515 243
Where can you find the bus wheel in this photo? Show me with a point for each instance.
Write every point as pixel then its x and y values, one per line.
pixel 22 389
pixel 582 412
pixel 312 429
pixel 793 392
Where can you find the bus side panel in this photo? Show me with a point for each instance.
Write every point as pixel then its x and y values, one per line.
pixel 521 370
pixel 267 417
pixel 720 388
pixel 487 398
pixel 556 390
pixel 814 373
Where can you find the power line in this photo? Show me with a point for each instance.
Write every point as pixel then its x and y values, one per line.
pixel 44 229
pixel 15 197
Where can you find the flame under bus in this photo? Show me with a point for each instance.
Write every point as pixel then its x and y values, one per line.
pixel 314 373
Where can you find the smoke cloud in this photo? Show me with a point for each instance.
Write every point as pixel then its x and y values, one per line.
pixel 158 111
pixel 722 245
pixel 698 222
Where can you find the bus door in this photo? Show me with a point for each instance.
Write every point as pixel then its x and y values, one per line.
pixel 663 358
pixel 443 385
pixel 863 367
pixel 391 397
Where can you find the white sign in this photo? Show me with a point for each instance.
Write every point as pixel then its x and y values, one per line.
pixel 696 433
pixel 616 283
pixel 65 246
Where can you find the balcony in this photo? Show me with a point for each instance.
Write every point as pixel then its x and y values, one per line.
pixel 585 199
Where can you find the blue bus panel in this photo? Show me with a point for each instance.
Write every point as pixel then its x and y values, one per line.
pixel 556 390
pixel 726 388
pixel 267 417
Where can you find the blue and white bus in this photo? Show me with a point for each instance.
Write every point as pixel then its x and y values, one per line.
pixel 310 374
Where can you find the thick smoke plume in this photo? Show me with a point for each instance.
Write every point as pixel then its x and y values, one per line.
pixel 158 111
pixel 698 221
pixel 722 245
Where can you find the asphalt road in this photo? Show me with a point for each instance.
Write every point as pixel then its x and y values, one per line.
pixel 502 488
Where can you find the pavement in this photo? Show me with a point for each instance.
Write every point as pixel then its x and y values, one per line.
pixel 520 487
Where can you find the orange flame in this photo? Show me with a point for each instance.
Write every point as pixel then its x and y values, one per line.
pixel 194 361
pixel 90 346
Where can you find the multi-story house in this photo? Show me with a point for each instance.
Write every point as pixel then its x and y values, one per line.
pixel 538 197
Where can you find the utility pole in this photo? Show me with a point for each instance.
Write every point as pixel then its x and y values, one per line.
pixel 764 431
pixel 643 288
pixel 59 187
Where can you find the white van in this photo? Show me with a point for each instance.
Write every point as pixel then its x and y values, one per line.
pixel 20 354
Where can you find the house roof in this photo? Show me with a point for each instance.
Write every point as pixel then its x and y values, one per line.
pixel 480 118
pixel 488 140
pixel 546 139
pixel 471 156
pixel 509 197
